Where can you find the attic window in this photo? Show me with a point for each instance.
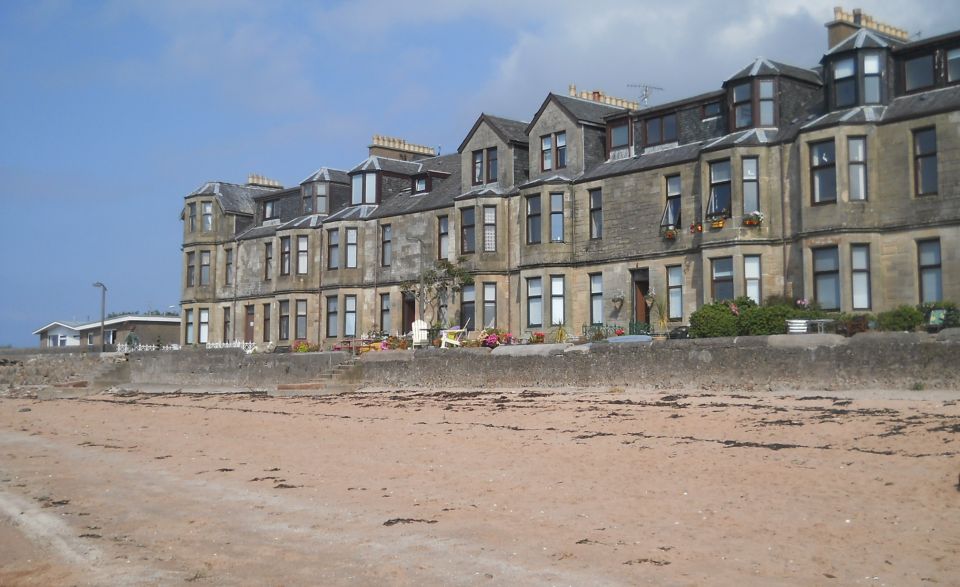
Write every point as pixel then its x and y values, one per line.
pixel 271 210
pixel 754 103
pixel 419 185
pixel 953 65
pixel 845 82
pixel 659 130
pixel 619 135
pixel 918 73
pixel 364 188
pixel 711 110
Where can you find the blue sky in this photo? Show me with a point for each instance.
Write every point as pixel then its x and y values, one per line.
pixel 114 110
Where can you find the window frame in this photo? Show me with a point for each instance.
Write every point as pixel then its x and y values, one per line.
pixel 919 158
pixel 735 104
pixel 558 301
pixel 228 266
pixel 718 282
pixel 203 325
pixel 534 300
pixel 746 182
pixel 192 216
pixel 546 153
pixel 946 65
pixel 206 209
pixel 307 198
pixel 300 322
pixel 753 281
pixel 468 304
pixel 612 128
pixel 386 321
pixel 848 81
pixel 857 164
pixel 556 217
pixel 817 167
pixel 349 330
pixel 191 272
pixel 386 245
pixel 864 273
pixel 204 276
pixel 333 316
pixel 188 327
pixel 818 274
pixel 468 230
pixel 905 64
pixel 705 115
pixel 267 315
pixel 596 213
pixel 362 196
pixel 661 138
pixel 303 254
pixel 333 248
pixel 595 281
pixel 716 187
pixel 352 247
pixel 477 167
pixel 489 229
pixel 285 254
pixel 443 236
pixel 534 237
pixel 284 332
pixel 671 210
pixel 489 304
pixel 674 288
pixel 934 268
pixel 492 165
pixel 268 260
pixel 271 209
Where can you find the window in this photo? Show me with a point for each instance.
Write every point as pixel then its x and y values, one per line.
pixel 860 276
pixel 271 209
pixel 477 167
pixel 844 82
pixel 492 165
pixel 826 277
pixel 363 188
pixel 953 65
pixel 823 172
pixel 443 237
pixel 351 248
pixel 925 161
pixel 596 213
pixel 333 249
pixel 722 270
pixel 468 236
pixel 711 110
pixel 187 327
pixel 300 328
pixel 675 292
pixel 285 320
pixel 191 268
pixel 766 101
pixel 489 305
pixel 489 229
pixel 332 316
pixel 349 315
pixel 857 167
pixel 561 140
pixel 303 254
pixel 556 218
pixel 931 276
pixel 659 130
pixel 533 220
pixel 534 301
pixel 419 185
pixel 918 73
pixel 267 260
pixel 204 326
pixel 743 105
pixel 751 277
pixel 751 185
pixel 719 204
pixel 192 215
pixel 619 135
pixel 321 190
pixel 228 266
pixel 110 336
pixel 207 216
pixel 872 76
pixel 285 255
pixel 386 245
pixel 306 192
pixel 266 322
pixel 546 153
pixel 385 323
pixel 227 332
pixel 671 214
pixel 89 339
pixel 468 305
pixel 556 300
pixel 204 267
pixel 596 298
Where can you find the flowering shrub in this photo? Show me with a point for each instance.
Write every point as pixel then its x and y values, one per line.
pixel 302 346
pixel 803 303
pixel 755 217
pixel 536 338
pixel 493 337
pixel 619 331
pixel 491 341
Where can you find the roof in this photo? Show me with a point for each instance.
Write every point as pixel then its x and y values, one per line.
pixel 579 109
pixel 923 43
pixel 378 163
pixel 743 138
pixel 678 104
pixel 112 321
pixel 291 191
pixel 510 131
pixel 328 174
pixel 645 161
pixel 900 108
pixel 765 67
pixel 442 192
pixel 357 212
pixel 233 198
pixel 863 39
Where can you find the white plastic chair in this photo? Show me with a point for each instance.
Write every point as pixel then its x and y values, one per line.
pixel 419 334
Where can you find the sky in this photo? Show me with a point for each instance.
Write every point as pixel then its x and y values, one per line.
pixel 112 111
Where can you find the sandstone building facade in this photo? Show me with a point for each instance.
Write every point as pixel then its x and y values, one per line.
pixel 838 183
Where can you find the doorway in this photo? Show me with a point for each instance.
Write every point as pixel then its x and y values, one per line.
pixel 408 312
pixel 641 287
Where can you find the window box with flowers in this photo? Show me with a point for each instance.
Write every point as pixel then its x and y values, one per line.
pixel 754 218
pixel 670 232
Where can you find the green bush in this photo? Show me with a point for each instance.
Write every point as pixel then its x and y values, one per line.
pixel 712 320
pixel 900 318
pixel 850 324
pixel 765 320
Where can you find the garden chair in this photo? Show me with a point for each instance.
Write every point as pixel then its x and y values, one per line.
pixel 418 336
pixel 453 336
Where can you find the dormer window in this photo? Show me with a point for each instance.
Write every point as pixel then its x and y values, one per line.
pixel 314 198
pixel 872 74
pixel 271 209
pixel 711 110
pixel 659 130
pixel 754 104
pixel 953 65
pixel 364 188
pixel 918 73
pixel 419 185
pixel 857 79
pixel 620 135
pixel 845 82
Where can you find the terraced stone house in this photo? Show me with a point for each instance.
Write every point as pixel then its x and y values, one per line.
pixel 838 183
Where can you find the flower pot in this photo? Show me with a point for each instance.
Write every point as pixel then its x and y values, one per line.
pixel 717 223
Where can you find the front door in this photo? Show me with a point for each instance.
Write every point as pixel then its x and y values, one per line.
pixel 408 312
pixel 248 324
pixel 641 287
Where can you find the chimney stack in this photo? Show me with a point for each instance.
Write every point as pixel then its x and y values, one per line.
pixel 845 24
pixel 394 148
pixel 257 180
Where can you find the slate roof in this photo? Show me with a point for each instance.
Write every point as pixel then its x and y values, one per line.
pixel 645 161
pixel 375 162
pixel 743 138
pixel 923 104
pixel 863 39
pixel 559 177
pixel 510 131
pixel 441 195
pixel 328 174
pixel 291 191
pixel 765 67
pixel 258 232
pixel 675 105
pixel 233 198
pixel 587 110
pixel 360 212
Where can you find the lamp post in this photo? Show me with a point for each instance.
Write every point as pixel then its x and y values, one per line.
pixel 103 313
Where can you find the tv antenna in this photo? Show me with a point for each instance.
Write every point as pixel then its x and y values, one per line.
pixel 645 92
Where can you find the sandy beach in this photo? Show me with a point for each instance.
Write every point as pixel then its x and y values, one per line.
pixel 600 486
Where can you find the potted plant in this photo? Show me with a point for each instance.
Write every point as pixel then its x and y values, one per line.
pixel 670 233
pixel 754 218
pixel 659 312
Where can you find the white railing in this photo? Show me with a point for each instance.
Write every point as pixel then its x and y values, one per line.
pixel 237 344
pixel 143 348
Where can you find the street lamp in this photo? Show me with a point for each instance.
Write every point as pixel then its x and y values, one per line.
pixel 103 313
